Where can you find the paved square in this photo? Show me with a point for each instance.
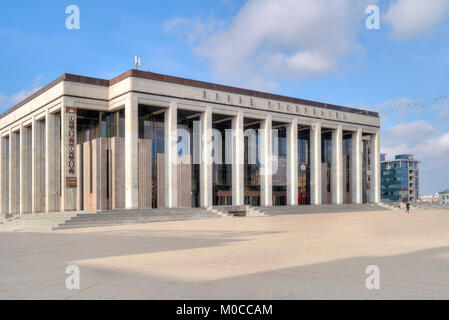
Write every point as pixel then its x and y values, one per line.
pixel 316 256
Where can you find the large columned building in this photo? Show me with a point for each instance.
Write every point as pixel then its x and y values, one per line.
pixel 146 140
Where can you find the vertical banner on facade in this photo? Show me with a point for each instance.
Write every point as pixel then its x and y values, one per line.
pixel 71 181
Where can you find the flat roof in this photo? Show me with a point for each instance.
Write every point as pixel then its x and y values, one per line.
pixel 188 82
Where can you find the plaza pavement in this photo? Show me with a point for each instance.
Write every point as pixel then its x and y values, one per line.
pixel 316 256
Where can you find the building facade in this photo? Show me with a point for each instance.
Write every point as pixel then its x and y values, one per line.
pixel 399 179
pixel 146 140
pixel 443 197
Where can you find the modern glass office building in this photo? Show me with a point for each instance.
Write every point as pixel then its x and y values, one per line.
pixel 399 179
pixel 147 140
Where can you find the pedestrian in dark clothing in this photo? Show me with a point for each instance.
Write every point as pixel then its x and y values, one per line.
pixel 407 208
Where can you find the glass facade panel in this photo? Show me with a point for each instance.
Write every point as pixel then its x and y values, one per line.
pixel 347 166
pixel 252 163
pixel 89 128
pixel 88 125
pixel 365 177
pixel 222 162
pixel 151 127
pixel 326 160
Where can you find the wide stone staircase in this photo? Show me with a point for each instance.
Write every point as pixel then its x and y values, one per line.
pixel 59 221
pixel 325 208
pixel 69 220
pixel 30 222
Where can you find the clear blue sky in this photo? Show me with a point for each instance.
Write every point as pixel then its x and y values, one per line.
pixel 318 50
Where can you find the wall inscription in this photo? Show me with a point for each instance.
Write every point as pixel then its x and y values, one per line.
pixel 71 125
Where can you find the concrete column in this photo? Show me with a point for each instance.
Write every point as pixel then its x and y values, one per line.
pixel 25 170
pixel 266 165
pixel 315 164
pixel 238 144
pixel 145 175
pixel 4 175
pixel 99 198
pixel 171 156
pixel 14 172
pixel 292 163
pixel 118 172
pixel 33 165
pixel 69 183
pixel 356 167
pixel 375 168
pixel 53 161
pixel 131 153
pixel 79 175
pixel 38 166
pixel 87 176
pixel 206 158
pixel 97 174
pixel 336 166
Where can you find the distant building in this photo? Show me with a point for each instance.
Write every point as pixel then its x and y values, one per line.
pixel 444 196
pixel 399 179
pixel 429 198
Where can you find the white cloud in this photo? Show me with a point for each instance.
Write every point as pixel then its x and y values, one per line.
pixel 412 18
pixel 269 39
pixel 418 137
pixel 443 118
pixel 9 101
pixel 427 144
pixel 194 29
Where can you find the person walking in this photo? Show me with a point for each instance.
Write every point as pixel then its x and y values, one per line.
pixel 407 207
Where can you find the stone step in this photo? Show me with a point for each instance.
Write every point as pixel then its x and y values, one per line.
pixel 166 218
pixel 106 223
pixel 86 224
pixel 110 218
pixel 145 214
pixel 38 220
pixel 131 214
pixel 149 210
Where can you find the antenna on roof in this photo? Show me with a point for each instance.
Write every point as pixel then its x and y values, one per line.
pixel 137 62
